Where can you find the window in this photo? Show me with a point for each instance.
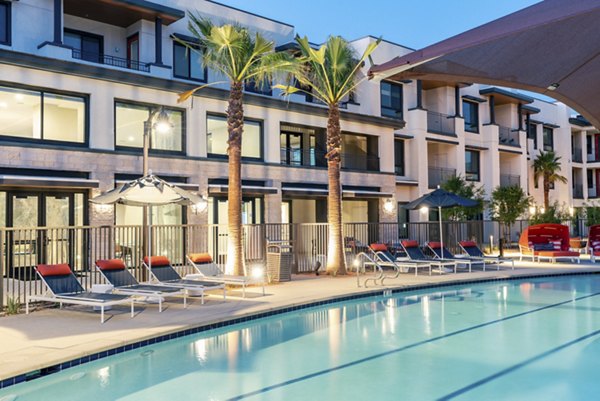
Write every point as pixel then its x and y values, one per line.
pixel 41 115
pixel 472 165
pixel 399 157
pixel 391 100
pixel 548 138
pixel 532 133
pixel 590 178
pixel 264 88
pixel 187 63
pixel 129 127
pixel 86 46
pixel 216 137
pixel 471 116
pixel 403 220
pixel 5 22
pixel 588 143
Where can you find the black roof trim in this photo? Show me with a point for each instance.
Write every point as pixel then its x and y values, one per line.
pixel 159 8
pixel 498 91
pixel 250 13
pixel 474 98
pixel 580 121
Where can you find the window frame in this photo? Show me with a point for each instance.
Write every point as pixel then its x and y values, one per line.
pixel 472 106
pixel 8 6
pixel 189 64
pixel 403 164
pixel 478 172
pixel 261 124
pixel 534 136
pixel 150 149
pixel 546 148
pixel 399 113
pixel 86 124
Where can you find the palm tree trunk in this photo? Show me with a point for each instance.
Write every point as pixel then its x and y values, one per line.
pixel 546 193
pixel 336 258
pixel 235 127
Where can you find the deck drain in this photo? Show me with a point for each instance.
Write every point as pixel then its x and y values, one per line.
pixel 77 376
pixel 145 353
pixel 9 397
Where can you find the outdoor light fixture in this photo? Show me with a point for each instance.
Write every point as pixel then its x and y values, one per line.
pixel 553 87
pixel 200 206
pixel 542 210
pixel 258 272
pixel 572 211
pixel 103 208
pixel 388 206
pixel 424 209
pixel 532 210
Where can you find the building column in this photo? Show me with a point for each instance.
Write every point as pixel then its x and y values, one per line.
pixel 457 101
pixel 520 114
pixel 158 41
pixel 58 22
pixel 492 110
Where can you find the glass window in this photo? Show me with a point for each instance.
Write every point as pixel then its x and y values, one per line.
pixel 264 88
pixel 472 165
pixel 187 63
pixel 399 157
pixel 86 46
pixel 588 144
pixel 471 116
pixel 391 99
pixel 216 137
pixel 590 178
pixel 548 138
pixel 21 114
pixel 354 151
pixel 532 133
pixel 129 126
pixel 5 23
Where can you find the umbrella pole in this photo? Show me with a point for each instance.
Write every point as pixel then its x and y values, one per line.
pixel 441 234
pixel 150 241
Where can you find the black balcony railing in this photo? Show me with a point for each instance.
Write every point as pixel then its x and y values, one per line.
pixel 439 175
pixel 508 136
pixel 111 60
pixel 576 155
pixel 578 191
pixel 315 157
pixel 509 180
pixel 438 123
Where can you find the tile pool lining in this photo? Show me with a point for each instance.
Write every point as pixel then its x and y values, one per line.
pixel 255 316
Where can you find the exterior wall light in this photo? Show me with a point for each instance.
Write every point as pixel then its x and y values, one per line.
pixel 388 206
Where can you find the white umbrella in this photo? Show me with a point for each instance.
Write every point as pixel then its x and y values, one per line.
pixel 148 191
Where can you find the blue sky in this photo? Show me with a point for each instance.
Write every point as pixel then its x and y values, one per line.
pixel 412 23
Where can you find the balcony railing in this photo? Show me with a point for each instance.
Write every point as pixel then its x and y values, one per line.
pixel 577 191
pixel 439 175
pixel 111 60
pixel 438 123
pixel 576 155
pixel 508 136
pixel 314 157
pixel 509 180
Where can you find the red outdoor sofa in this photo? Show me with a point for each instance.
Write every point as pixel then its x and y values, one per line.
pixel 547 241
pixel 593 243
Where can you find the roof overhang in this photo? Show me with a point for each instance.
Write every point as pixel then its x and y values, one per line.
pixel 303 192
pixel 47 182
pixel 246 189
pixel 122 13
pixel 503 96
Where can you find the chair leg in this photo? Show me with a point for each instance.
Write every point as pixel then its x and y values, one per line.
pixel 160 304
pixel 27 306
pixel 101 313
pixel 132 308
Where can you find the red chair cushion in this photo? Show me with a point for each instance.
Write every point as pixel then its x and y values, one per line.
pixel 410 243
pixel 157 261
pixel 434 244
pixel 110 264
pixel 467 244
pixel 54 270
pixel 379 247
pixel 200 257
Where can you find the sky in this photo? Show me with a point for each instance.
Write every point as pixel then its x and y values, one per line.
pixel 411 23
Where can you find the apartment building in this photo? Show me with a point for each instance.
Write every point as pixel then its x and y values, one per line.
pixel 80 77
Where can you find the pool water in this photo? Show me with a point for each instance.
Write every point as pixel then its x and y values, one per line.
pixel 536 339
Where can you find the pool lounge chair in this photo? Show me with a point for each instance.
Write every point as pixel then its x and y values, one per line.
pixel 547 241
pixel 63 288
pixel 474 252
pixel 115 273
pixel 209 271
pixel 414 253
pixel 384 258
pixel 442 253
pixel 163 273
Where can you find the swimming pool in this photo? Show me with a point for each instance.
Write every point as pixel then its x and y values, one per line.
pixel 535 339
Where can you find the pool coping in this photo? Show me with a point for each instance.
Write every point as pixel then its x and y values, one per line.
pixel 251 316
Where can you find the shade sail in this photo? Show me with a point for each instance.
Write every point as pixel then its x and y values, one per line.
pixel 552 44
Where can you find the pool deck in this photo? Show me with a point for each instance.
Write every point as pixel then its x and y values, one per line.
pixel 49 336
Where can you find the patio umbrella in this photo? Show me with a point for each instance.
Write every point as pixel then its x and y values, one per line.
pixel 148 191
pixel 440 199
pixel 552 47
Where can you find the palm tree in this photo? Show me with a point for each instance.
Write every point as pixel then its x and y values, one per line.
pixel 240 56
pixel 547 166
pixel 331 75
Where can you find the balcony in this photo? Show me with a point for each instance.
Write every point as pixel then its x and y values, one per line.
pixel 439 175
pixel 576 155
pixel 509 180
pixel 111 60
pixel 438 123
pixel 508 136
pixel 316 158
pixel 577 191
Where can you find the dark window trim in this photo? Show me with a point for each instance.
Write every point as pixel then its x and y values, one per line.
pixel 86 125
pixel 135 149
pixel 189 60
pixel 551 143
pixel 8 6
pixel 399 113
pixel 478 172
pixel 262 137
pixel 476 104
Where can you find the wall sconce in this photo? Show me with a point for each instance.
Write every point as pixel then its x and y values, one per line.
pixel 424 210
pixel 388 206
pixel 542 210
pixel 532 210
pixel 100 208
pixel 572 211
pixel 200 206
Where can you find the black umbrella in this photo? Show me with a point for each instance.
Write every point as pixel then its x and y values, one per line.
pixel 440 199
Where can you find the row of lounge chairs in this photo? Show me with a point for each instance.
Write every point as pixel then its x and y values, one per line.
pixel 64 288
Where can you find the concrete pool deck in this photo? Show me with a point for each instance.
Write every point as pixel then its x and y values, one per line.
pixel 49 336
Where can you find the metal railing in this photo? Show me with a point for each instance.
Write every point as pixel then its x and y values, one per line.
pixel 439 175
pixel 438 123
pixel 508 180
pixel 576 155
pixel 111 60
pixel 508 136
